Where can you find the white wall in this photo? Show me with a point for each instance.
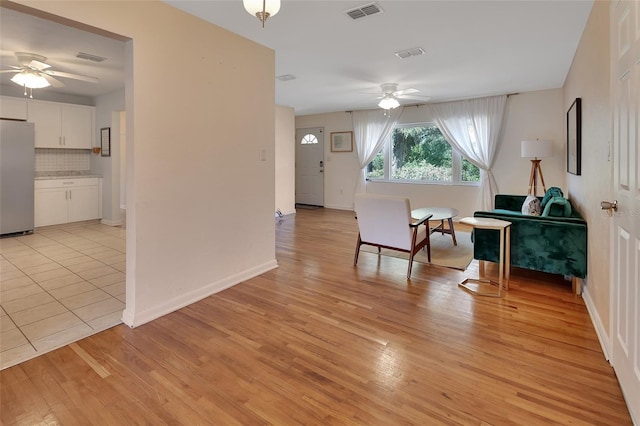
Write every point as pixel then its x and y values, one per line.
pixel 285 160
pixel 109 167
pixel 589 79
pixel 529 115
pixel 340 168
pixel 199 201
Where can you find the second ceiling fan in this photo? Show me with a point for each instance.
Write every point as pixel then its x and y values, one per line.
pixel 391 95
pixel 34 73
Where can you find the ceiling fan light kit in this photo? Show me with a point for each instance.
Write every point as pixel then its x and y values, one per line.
pixel 262 9
pixel 30 80
pixel 389 102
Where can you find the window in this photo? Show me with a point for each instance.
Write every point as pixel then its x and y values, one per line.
pixel 308 139
pixel 420 153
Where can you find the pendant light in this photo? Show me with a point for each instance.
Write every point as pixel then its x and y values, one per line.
pixel 262 9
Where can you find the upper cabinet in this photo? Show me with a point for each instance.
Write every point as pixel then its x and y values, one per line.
pixel 60 125
pixel 13 108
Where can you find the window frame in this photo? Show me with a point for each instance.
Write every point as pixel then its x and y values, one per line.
pixel 456 163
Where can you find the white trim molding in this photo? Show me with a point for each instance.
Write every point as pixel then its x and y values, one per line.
pixel 601 332
pixel 135 319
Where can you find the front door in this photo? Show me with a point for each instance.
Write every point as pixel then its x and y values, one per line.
pixel 625 242
pixel 310 166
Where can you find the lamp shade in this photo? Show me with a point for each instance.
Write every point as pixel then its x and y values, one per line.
pixel 30 80
pixel 536 149
pixel 389 102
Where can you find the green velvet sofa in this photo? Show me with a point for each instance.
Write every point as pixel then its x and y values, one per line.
pixel 557 245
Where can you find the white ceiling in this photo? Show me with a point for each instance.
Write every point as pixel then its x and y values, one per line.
pixel 473 48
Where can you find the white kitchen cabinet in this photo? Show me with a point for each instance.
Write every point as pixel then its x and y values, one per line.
pixel 62 125
pixel 13 108
pixel 51 206
pixel 66 200
pixel 84 203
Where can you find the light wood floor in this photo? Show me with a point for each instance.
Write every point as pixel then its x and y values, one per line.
pixel 318 341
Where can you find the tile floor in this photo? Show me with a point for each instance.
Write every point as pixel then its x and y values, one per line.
pixel 58 285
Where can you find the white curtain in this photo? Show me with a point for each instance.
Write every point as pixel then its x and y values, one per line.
pixel 370 131
pixel 473 128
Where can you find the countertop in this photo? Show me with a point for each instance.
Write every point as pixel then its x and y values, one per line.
pixel 65 175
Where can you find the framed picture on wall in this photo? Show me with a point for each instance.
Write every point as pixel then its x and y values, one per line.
pixel 341 141
pixel 574 138
pixel 105 142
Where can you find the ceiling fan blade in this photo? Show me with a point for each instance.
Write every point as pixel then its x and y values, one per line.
pixel 16 71
pixel 405 91
pixel 25 59
pixel 69 75
pixel 38 65
pixel 416 98
pixel 52 81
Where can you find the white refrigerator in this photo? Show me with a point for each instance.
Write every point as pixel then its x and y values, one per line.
pixel 17 172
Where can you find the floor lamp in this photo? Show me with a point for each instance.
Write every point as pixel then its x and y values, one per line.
pixel 536 149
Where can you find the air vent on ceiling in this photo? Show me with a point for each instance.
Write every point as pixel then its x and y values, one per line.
pixel 286 77
pixel 404 54
pixel 363 11
pixel 90 57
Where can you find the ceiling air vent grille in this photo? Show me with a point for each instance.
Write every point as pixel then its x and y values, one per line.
pixel 404 54
pixel 364 11
pixel 286 77
pixel 90 57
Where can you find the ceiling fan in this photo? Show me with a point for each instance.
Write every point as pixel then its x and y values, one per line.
pixel 34 73
pixel 391 94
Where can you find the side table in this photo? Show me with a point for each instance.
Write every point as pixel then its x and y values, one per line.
pixel 438 214
pixel 504 265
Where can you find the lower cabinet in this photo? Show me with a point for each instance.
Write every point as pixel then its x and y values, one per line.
pixel 66 200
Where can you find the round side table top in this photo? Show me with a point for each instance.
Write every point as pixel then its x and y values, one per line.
pixel 439 213
pixel 485 222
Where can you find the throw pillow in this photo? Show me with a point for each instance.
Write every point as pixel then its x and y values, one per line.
pixel 531 206
pixel 557 207
pixel 554 191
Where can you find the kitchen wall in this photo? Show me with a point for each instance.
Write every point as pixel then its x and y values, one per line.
pixel 109 167
pixel 589 79
pixel 52 160
pixel 199 200
pixel 529 115
pixel 45 95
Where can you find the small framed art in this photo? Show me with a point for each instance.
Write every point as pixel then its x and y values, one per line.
pixel 105 142
pixel 574 138
pixel 341 141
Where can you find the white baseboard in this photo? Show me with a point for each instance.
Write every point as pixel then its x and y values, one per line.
pixel 286 212
pixel 338 207
pixel 111 222
pixel 601 332
pixel 135 319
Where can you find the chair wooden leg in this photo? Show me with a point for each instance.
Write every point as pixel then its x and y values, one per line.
pixel 411 253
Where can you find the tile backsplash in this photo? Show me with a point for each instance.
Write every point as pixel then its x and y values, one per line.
pixel 55 160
